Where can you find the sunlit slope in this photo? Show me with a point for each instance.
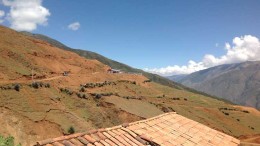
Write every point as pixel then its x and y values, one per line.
pixel 20 55
pixel 89 97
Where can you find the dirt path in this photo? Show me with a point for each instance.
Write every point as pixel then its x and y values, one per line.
pixel 26 81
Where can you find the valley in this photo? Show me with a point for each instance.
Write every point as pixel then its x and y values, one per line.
pixel 89 97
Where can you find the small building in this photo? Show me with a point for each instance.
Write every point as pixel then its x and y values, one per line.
pixel 114 71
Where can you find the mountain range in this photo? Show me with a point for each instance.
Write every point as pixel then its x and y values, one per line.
pixel 238 83
pixel 176 78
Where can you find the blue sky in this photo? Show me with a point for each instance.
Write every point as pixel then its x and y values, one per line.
pixel 151 34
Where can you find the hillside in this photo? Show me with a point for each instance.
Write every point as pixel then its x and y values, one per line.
pixel 37 102
pixel 116 65
pixel 105 60
pixel 177 78
pixel 238 83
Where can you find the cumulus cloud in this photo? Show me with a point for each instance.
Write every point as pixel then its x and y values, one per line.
pixel 26 15
pixel 244 48
pixel 74 26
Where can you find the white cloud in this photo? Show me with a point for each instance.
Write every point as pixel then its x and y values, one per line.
pixel 245 48
pixel 26 15
pixel 74 26
pixel 2 14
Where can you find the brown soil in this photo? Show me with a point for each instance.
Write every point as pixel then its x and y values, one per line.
pixel 36 114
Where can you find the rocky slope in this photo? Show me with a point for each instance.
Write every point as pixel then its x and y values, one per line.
pixel 238 83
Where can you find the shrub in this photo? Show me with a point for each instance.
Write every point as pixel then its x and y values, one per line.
pixel 171 109
pixel 226 114
pixel 176 98
pixel 57 98
pixel 238 120
pixel 78 94
pixel 70 92
pixel 107 94
pixel 61 89
pixel 126 97
pixel 246 111
pixel 17 87
pixel 67 91
pixel 35 85
pixel 185 99
pixel 82 89
pixel 146 81
pixel 47 85
pixel 71 130
pixel 40 84
pixel 165 109
pixel 98 96
pixel 82 95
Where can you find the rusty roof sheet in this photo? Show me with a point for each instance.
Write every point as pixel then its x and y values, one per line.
pixel 168 129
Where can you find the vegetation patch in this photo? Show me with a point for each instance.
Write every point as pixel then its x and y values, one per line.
pixel 245 111
pixel 176 98
pixel 82 89
pixel 251 127
pixel 126 81
pixel 71 130
pixel 15 87
pixel 99 95
pixel 37 85
pixel 99 84
pixel 81 95
pixel 232 109
pixel 147 81
pixel 106 83
pixel 66 91
pixel 132 97
pixel 167 109
pixel 8 141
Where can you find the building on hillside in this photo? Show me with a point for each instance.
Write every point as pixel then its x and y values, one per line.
pixel 168 129
pixel 114 71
